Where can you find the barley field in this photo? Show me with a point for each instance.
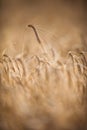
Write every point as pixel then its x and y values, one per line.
pixel 43 65
pixel 43 92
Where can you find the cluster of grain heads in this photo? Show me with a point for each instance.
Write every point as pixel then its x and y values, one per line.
pixel 42 92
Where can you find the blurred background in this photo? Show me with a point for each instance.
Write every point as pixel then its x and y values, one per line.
pixel 60 23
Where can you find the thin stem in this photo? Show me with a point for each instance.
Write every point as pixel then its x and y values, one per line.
pixel 35 31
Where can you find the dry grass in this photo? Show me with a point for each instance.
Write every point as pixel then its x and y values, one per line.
pixel 43 92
